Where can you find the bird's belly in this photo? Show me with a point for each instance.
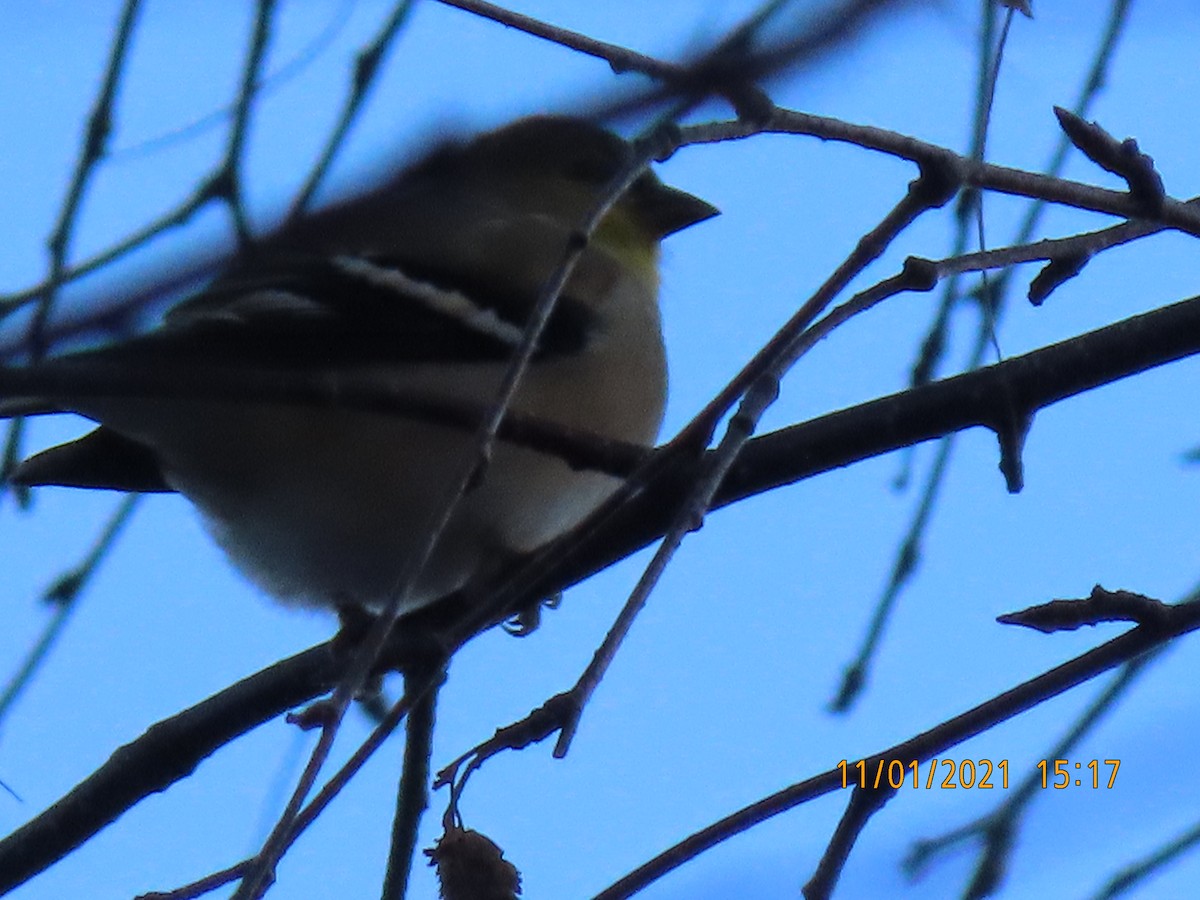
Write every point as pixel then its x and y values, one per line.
pixel 322 509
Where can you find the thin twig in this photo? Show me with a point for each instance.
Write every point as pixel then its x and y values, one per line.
pixel 367 66
pixel 63 594
pixel 620 58
pixel 412 797
pixel 227 183
pixel 95 144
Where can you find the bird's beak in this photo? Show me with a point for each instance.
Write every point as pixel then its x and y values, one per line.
pixel 673 210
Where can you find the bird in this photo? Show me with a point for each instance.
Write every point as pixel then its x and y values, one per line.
pixel 424 285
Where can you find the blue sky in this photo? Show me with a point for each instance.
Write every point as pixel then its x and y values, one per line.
pixel 719 696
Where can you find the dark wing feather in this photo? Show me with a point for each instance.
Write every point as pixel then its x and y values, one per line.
pixel 336 311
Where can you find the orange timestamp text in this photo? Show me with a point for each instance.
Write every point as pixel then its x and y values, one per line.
pixel 979 774
pixel 1063 773
pixel 947 774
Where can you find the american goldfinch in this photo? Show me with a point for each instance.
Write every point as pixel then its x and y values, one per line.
pixel 424 284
